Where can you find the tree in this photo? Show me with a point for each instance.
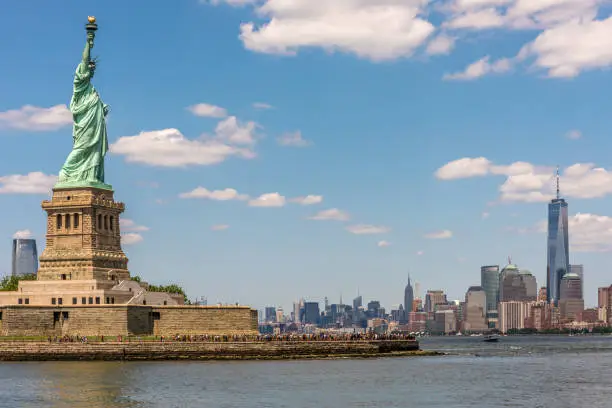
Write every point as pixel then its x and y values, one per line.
pixel 172 288
pixel 11 283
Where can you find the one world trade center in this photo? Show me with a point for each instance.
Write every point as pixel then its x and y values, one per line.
pixel 557 246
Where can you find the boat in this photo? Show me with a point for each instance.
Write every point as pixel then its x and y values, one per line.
pixel 490 338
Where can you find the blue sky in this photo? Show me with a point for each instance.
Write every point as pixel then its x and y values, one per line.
pixel 431 129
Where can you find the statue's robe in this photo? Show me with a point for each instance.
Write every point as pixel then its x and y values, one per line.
pixel 85 163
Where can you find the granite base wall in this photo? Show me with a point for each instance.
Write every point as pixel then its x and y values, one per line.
pixel 41 351
pixel 113 320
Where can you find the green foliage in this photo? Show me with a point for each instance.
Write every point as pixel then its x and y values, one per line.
pixel 11 283
pixel 173 288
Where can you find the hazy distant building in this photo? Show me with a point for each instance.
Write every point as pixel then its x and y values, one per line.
pixel 474 309
pixel 445 321
pixel 557 245
pixel 602 302
pixel 357 302
pixel 516 285
pixel 312 314
pixel 571 287
pixel 408 298
pixel 434 298
pixel 25 257
pixel 542 294
pixel 270 314
pixel 280 315
pixel 571 303
pixel 417 291
pixel 513 315
pixel 579 270
pixel 540 316
pixel 298 311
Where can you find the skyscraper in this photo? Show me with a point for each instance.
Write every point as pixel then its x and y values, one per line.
pixel 25 257
pixel 433 298
pixel 408 298
pixel 489 281
pixel 579 270
pixel 474 311
pixel 558 245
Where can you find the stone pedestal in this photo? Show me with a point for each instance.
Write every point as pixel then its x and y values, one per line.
pixel 83 236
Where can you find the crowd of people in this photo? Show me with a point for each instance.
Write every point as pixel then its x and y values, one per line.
pixel 286 337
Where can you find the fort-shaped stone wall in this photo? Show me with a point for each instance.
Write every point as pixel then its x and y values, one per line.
pixel 124 320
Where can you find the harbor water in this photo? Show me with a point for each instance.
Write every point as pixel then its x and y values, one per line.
pixel 521 371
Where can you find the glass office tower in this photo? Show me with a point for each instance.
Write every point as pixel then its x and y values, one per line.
pixel 489 281
pixel 557 247
pixel 25 257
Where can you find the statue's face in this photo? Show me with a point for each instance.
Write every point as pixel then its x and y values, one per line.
pixel 92 68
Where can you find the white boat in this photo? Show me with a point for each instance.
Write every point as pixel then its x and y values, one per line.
pixel 490 338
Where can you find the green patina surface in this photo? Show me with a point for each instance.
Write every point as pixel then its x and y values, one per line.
pixel 84 166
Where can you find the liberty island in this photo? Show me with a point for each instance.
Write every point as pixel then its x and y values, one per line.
pixel 83 286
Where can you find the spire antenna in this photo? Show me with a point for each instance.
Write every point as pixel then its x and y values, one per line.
pixel 558 190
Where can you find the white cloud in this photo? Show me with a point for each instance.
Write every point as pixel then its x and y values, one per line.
pixel 231 131
pixel 478 19
pixel 217 195
pixel 308 200
pixel 590 233
pixel 530 183
pixel 573 134
pixel 262 106
pixel 129 225
pixel 34 118
pixel 22 234
pixel 293 139
pixel 131 231
pixel 332 214
pixel 463 168
pixel 444 234
pixel 362 229
pixel 169 148
pixel 441 44
pixel 419 253
pixel 207 111
pixel 268 200
pixel 480 68
pixel 383 244
pixel 380 30
pixel 131 238
pixel 219 227
pixel 569 37
pixel 587 232
pixel 568 49
pixel 485 215
pixel 31 183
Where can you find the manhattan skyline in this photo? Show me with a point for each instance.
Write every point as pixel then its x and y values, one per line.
pixel 345 165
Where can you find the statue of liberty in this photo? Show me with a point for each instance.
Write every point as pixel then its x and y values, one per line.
pixel 84 166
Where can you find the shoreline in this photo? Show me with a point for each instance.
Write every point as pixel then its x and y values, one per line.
pixel 209 351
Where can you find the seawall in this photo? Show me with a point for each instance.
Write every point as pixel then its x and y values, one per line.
pixel 150 350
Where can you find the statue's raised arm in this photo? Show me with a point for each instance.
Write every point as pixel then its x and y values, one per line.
pixel 84 166
pixel 87 66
